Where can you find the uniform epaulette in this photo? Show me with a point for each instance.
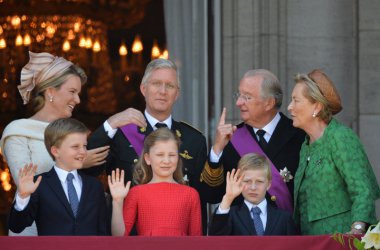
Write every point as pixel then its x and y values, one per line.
pixel 212 176
pixel 188 125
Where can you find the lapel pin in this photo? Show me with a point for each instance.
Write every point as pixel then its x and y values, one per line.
pixel 178 133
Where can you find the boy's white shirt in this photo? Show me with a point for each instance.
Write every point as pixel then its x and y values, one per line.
pixel 262 205
pixel 21 203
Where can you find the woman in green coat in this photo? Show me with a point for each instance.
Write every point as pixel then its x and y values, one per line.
pixel 335 188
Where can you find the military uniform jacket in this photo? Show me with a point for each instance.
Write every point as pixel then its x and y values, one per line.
pixel 283 150
pixel 193 151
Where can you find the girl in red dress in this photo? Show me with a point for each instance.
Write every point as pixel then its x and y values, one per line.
pixel 161 205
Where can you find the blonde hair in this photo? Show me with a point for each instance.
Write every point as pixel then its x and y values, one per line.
pixel 57 131
pixel 142 173
pixel 314 94
pixel 55 82
pixel 254 161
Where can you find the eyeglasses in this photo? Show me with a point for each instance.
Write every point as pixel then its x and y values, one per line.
pixel 245 98
pixel 167 85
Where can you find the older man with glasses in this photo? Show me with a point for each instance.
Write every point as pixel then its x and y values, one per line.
pixel 264 130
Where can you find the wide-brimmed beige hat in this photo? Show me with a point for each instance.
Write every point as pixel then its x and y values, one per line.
pixel 326 86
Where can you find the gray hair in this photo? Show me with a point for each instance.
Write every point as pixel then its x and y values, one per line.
pixel 270 86
pixel 159 63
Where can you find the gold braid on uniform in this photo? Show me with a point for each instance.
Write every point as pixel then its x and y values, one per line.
pixel 212 176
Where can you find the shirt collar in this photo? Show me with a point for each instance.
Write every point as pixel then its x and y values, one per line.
pixel 62 174
pixel 271 126
pixel 262 205
pixel 152 121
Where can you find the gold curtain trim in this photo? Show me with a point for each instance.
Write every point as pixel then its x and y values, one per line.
pixel 212 176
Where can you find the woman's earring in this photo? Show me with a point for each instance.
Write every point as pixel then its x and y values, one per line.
pixel 51 99
pixel 314 114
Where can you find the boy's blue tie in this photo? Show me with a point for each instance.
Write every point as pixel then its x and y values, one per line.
pixel 73 197
pixel 257 221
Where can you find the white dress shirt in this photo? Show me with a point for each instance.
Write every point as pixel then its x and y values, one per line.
pixel 152 121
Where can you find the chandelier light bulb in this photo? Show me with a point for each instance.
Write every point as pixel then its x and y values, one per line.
pixel 137 45
pixel 70 35
pixel 123 50
pixel 77 26
pixel 3 43
pixel 82 42
pixel 66 46
pixel 15 21
pixel 96 47
pixel 27 40
pixel 19 40
pixel 88 43
pixel 155 50
pixel 165 54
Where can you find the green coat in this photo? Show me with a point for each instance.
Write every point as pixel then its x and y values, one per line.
pixel 337 186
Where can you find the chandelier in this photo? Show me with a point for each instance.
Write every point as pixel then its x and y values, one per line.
pixel 74 29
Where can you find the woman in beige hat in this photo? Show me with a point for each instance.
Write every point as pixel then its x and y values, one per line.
pixel 335 188
pixel 52 85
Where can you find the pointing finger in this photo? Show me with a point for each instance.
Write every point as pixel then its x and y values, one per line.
pixel 222 120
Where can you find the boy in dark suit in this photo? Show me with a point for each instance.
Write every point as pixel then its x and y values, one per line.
pixel 61 201
pixel 255 216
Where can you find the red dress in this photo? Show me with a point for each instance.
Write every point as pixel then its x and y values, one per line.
pixel 163 209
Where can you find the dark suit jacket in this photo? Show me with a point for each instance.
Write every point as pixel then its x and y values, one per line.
pixel 283 150
pixel 51 210
pixel 239 222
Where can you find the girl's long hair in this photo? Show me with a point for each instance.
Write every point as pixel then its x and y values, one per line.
pixel 142 173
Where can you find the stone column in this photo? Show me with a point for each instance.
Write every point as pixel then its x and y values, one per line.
pixel 369 82
pixel 321 34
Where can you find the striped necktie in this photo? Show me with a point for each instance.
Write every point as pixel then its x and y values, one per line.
pixel 255 211
pixel 73 196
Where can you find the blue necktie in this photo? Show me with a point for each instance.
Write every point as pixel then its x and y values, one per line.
pixel 73 196
pixel 257 221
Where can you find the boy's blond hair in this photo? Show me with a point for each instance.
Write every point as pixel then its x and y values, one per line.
pixel 57 131
pixel 254 161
